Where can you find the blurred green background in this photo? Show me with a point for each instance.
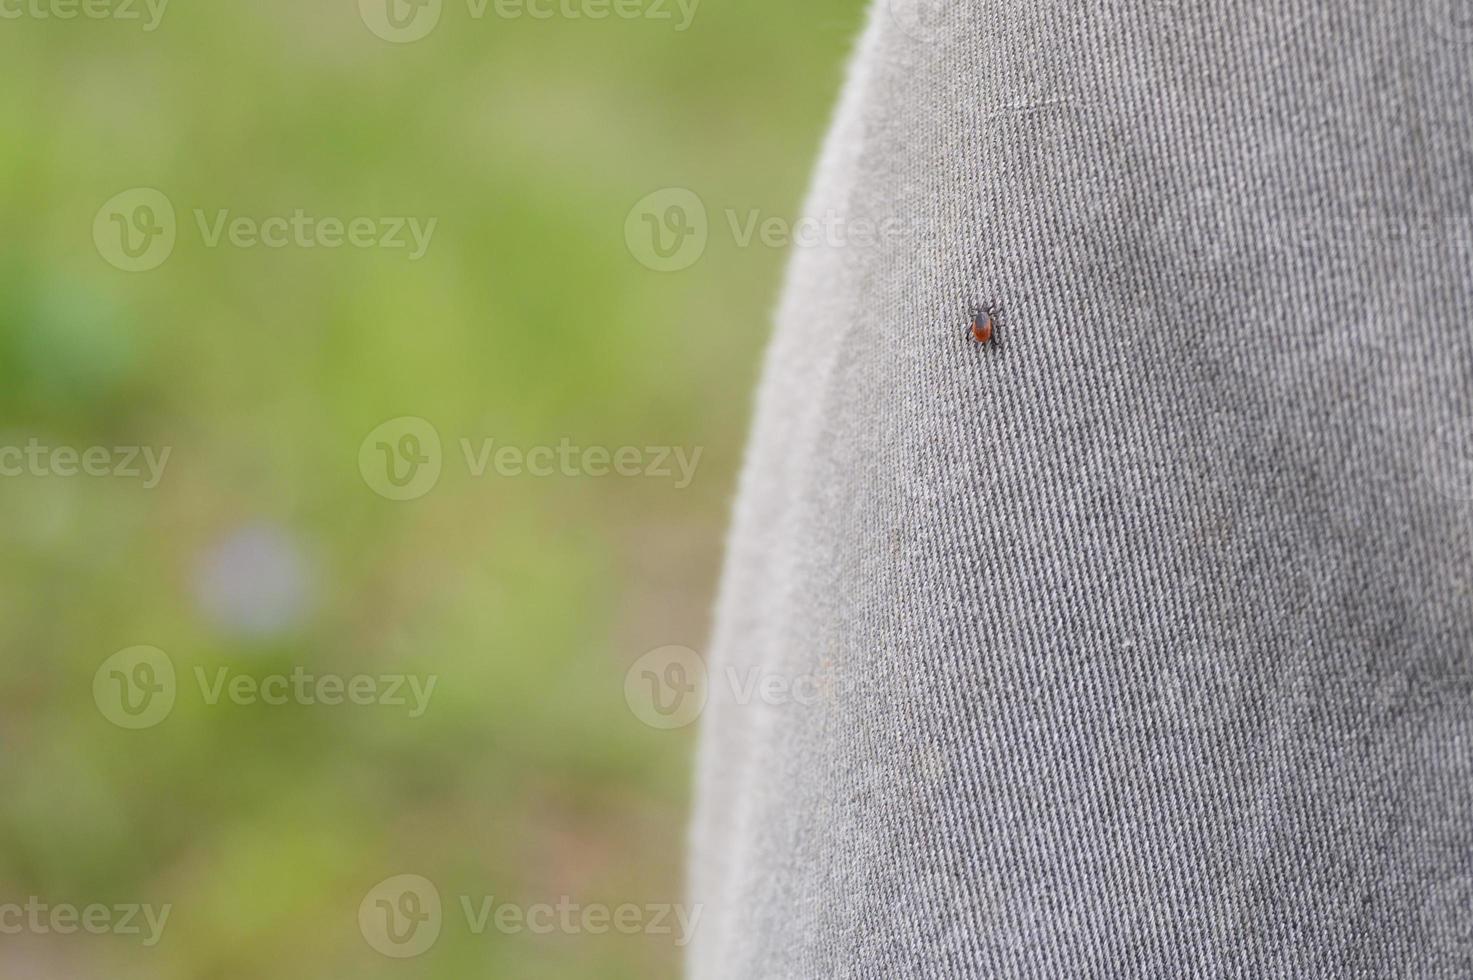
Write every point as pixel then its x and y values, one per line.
pixel 263 549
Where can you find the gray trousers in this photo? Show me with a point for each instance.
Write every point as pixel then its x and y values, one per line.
pixel 1139 643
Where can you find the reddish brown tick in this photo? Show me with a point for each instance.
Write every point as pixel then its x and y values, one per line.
pixel 984 326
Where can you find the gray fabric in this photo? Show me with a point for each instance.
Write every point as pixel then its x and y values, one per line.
pixel 1143 645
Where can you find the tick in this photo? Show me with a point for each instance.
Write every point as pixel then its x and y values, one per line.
pixel 984 326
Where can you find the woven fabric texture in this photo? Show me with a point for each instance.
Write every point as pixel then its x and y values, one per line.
pixel 1141 643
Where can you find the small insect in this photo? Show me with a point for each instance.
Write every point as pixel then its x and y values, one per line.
pixel 984 326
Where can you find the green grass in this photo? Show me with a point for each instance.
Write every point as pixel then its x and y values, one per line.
pixel 527 321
